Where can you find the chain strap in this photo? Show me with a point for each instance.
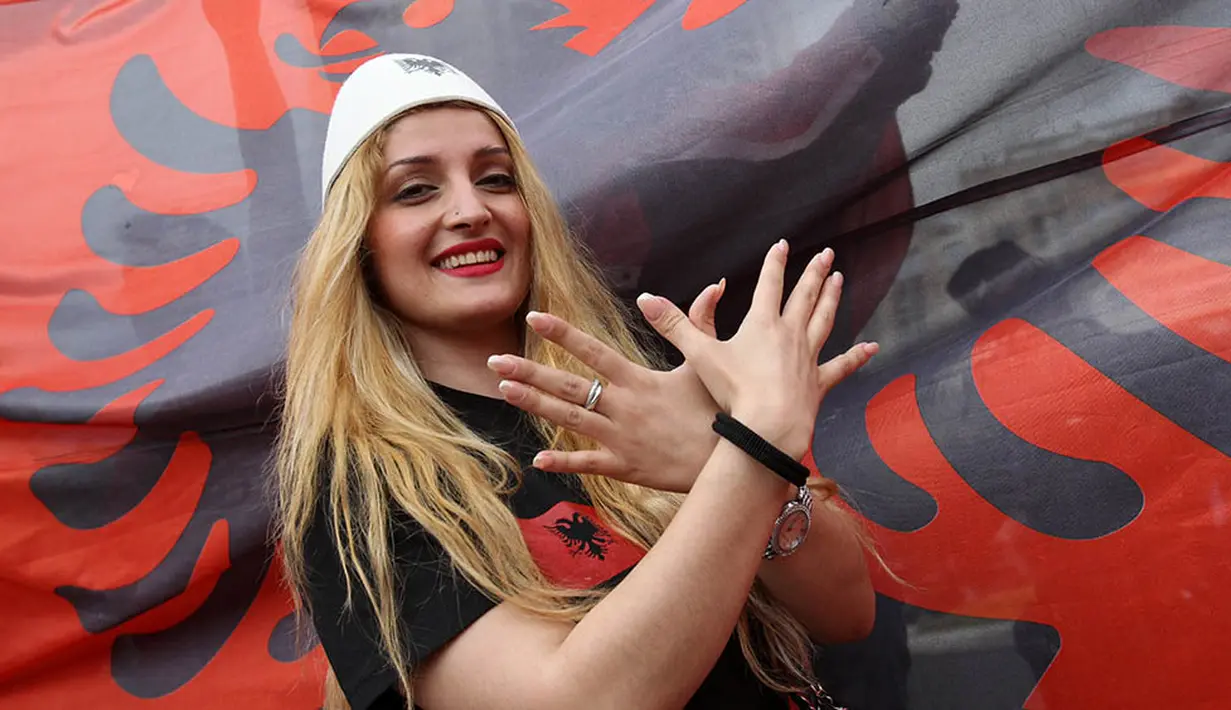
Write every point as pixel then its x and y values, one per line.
pixel 818 699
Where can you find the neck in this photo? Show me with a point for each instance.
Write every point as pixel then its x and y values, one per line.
pixel 459 359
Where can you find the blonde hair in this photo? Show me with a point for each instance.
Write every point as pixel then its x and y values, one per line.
pixel 361 431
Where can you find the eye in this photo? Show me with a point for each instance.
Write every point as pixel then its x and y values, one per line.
pixel 498 181
pixel 414 192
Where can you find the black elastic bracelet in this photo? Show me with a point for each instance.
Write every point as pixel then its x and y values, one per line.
pixel 769 455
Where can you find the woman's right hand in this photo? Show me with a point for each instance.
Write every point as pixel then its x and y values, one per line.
pixel 766 375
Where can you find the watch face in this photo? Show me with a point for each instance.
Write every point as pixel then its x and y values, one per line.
pixel 793 531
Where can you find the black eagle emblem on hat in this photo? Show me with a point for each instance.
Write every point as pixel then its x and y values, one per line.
pixel 414 64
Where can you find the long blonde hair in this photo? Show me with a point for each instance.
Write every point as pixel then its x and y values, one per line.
pixel 362 432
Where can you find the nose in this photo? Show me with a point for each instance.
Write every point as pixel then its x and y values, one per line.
pixel 467 212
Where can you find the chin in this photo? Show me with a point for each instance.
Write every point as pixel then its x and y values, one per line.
pixel 482 318
pixel 462 306
pixel 487 312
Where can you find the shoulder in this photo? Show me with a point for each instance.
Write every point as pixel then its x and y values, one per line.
pixel 432 602
pixel 343 617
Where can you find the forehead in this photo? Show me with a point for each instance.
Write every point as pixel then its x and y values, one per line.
pixel 441 132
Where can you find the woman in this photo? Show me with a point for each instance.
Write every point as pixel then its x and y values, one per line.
pixel 424 376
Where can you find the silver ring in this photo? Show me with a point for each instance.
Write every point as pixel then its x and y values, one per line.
pixel 596 391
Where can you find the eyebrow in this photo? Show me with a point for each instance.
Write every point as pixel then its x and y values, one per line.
pixel 427 159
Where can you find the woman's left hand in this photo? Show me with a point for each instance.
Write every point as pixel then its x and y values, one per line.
pixel 653 428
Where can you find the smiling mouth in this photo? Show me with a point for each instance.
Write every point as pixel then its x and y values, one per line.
pixel 457 261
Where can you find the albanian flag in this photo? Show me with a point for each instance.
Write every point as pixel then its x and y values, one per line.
pixel 1031 202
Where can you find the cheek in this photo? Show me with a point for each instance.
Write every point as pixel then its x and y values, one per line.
pixel 525 266
pixel 515 219
pixel 519 232
pixel 396 241
pixel 397 251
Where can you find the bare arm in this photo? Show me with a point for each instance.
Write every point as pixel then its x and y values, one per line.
pixel 651 642
pixel 825 584
pixel 659 428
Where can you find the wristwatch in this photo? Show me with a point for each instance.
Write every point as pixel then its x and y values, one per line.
pixel 791 527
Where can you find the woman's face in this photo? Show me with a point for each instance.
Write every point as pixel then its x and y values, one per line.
pixel 450 236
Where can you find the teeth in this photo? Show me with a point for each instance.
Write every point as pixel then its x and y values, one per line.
pixel 486 256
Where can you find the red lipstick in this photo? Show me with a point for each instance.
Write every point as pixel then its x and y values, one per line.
pixel 451 260
pixel 470 246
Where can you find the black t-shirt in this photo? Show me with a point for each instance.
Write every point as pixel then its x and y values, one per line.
pixel 565 538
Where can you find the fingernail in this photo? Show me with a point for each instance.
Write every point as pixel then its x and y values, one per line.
pixel 872 348
pixel 538 321
pixel 837 278
pixel 826 253
pixel 541 459
pixel 722 285
pixel 651 306
pixel 500 364
pixel 782 246
pixel 508 389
